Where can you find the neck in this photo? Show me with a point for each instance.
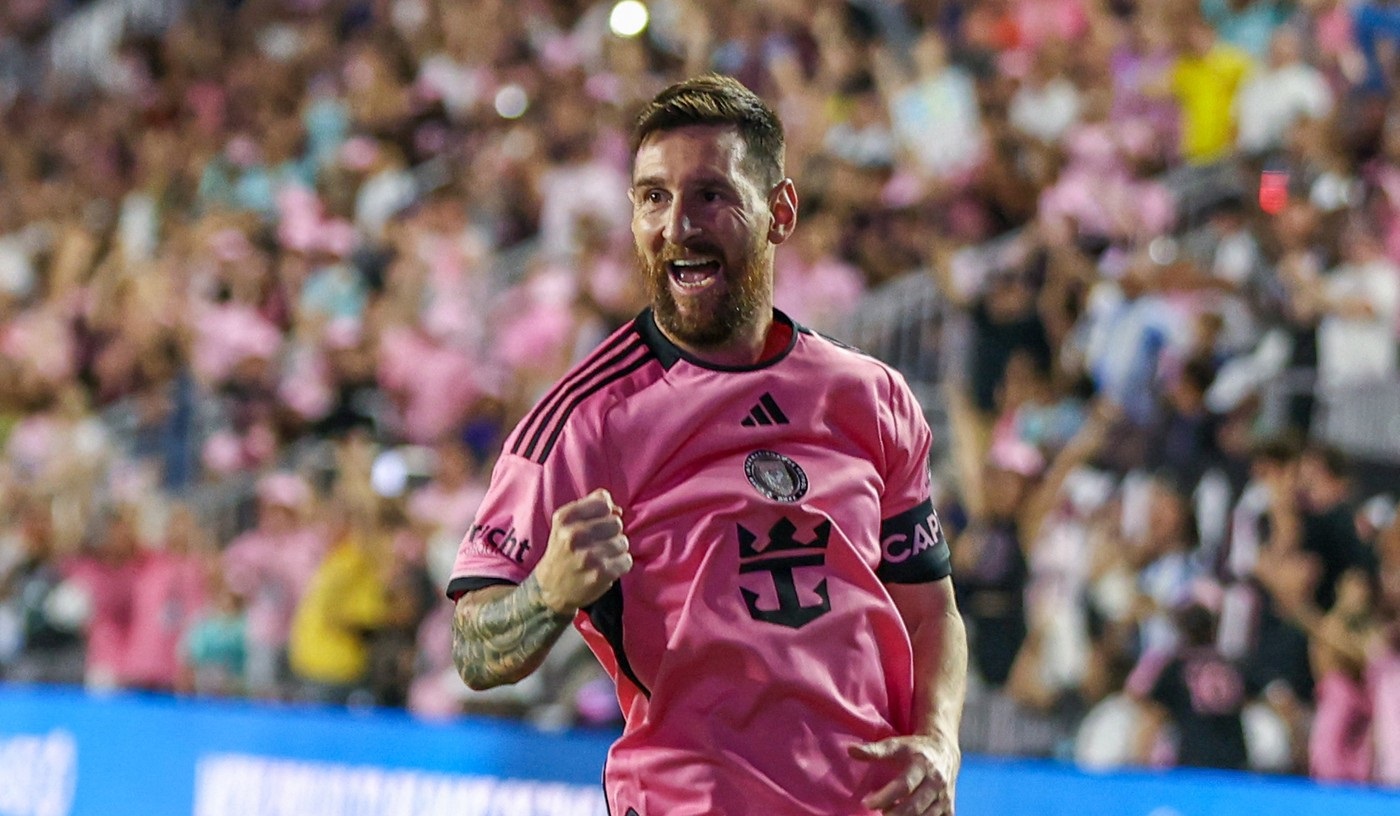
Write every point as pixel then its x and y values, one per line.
pixel 751 345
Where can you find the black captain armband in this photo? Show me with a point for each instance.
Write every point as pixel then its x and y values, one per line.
pixel 912 547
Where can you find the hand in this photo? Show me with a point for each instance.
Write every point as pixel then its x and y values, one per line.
pixel 586 553
pixel 1103 415
pixel 925 785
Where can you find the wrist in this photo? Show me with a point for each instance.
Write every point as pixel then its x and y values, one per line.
pixel 558 607
pixel 945 738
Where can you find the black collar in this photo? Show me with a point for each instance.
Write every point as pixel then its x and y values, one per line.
pixel 669 353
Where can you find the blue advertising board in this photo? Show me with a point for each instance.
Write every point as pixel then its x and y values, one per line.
pixel 65 753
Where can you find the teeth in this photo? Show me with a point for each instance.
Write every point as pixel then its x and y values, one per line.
pixel 693 274
pixel 690 263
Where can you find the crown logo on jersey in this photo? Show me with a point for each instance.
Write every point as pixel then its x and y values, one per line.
pixel 782 537
pixel 775 476
pixel 766 412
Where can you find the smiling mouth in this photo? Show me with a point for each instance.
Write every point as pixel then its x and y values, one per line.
pixel 692 275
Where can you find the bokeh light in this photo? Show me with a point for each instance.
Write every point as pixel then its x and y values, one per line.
pixel 512 101
pixel 629 18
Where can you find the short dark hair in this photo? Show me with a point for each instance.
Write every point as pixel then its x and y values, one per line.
pixel 714 99
pixel 1199 373
pixel 1277 450
pixel 1196 623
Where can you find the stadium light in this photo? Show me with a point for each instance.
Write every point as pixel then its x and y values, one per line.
pixel 628 18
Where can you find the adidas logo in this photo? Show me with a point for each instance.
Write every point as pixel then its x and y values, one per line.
pixel 766 412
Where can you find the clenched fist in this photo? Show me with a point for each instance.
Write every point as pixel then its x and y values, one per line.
pixel 586 553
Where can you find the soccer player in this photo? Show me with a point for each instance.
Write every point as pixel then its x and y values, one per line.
pixel 734 511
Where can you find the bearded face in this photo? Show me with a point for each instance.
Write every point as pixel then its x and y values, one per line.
pixel 679 281
pixel 705 231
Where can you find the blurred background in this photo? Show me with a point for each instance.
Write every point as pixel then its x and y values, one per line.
pixel 277 276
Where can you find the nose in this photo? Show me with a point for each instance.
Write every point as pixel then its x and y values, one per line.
pixel 679 227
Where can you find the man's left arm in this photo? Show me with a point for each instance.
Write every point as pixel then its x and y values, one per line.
pixel 930 757
pixel 916 569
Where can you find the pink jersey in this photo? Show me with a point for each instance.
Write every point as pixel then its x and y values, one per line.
pixel 1339 743
pixel 1383 676
pixel 271 571
pixel 168 596
pixel 110 586
pixel 766 507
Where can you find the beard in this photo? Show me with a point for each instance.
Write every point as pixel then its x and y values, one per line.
pixel 745 287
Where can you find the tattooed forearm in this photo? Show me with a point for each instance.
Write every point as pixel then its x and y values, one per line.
pixel 500 637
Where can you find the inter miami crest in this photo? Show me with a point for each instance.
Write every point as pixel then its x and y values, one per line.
pixel 775 476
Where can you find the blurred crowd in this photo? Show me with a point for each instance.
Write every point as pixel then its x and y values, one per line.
pixel 276 276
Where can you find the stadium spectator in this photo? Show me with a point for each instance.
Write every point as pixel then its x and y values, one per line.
pixel 991 562
pixel 448 501
pixel 1251 532
pixel 1204 79
pixel 1340 743
pixel 106 573
pixel 343 605
pixel 1199 691
pixel 1246 24
pixel 1001 295
pixel 1278 94
pixel 1383 662
pixel 269 566
pixel 215 649
pixel 167 598
pixel 1219 273
pixel 1129 328
pixel 42 617
pixel 1326 526
pixel 1359 303
pixel 1046 104
pixel 1184 440
pixel 934 113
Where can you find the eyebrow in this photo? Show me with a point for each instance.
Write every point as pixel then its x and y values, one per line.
pixel 702 181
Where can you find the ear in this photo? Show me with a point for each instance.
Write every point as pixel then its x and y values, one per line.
pixel 782 206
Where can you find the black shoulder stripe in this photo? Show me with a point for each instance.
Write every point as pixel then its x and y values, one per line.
pixel 556 394
pixel 613 376
pixel 543 415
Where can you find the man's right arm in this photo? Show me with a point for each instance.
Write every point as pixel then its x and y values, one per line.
pixel 502 633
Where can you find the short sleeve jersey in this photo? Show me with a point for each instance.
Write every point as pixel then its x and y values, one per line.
pixel 1205 694
pixel 767 509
